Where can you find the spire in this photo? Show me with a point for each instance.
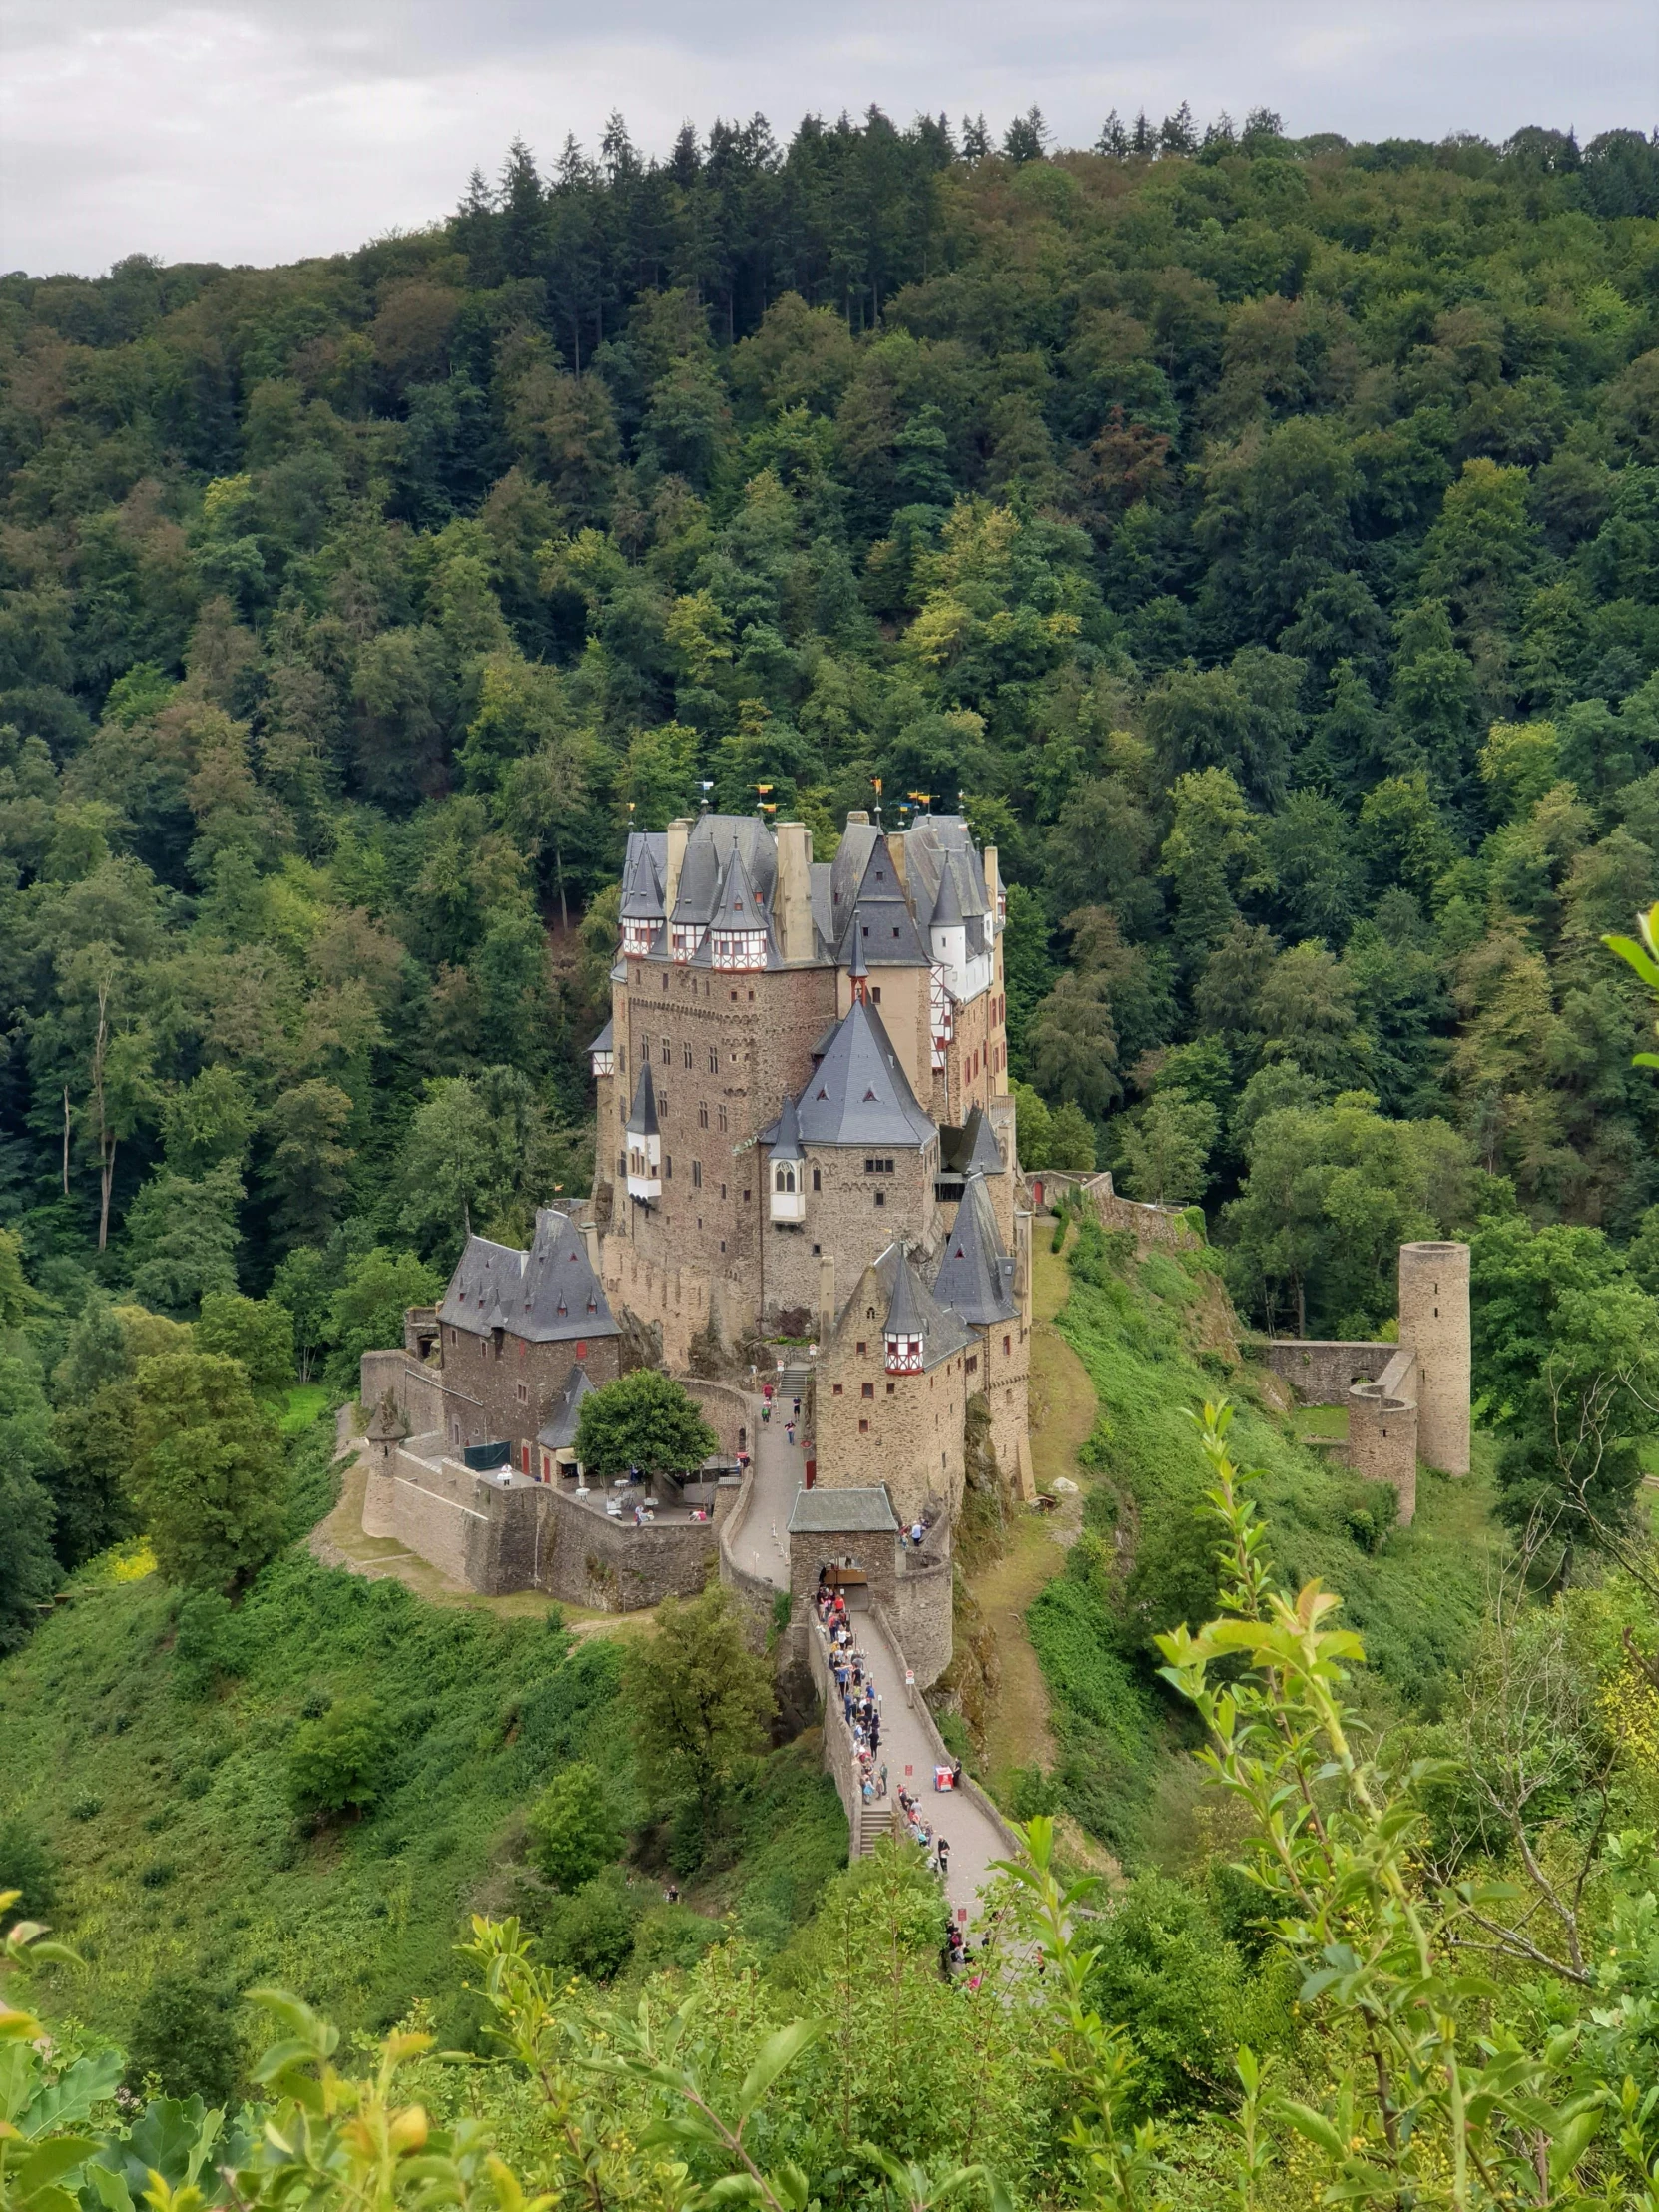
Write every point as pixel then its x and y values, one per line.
pixel 858 968
pixel 642 1122
pixel 786 1144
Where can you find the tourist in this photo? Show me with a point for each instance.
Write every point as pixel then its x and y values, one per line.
pixel 944 1857
pixel 957 1775
pixel 671 1892
pixel 789 1434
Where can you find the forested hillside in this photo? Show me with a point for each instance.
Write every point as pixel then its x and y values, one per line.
pixel 1259 540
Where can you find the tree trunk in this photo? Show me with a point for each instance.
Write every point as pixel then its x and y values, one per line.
pixel 1300 1307
pixel 106 1178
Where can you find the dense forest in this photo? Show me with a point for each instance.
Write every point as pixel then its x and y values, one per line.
pixel 1257 540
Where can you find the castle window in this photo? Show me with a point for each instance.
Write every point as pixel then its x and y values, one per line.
pixel 668 1167
pixel 722 1115
pixel 668 1050
pixel 817 1179
pixel 863 1429
pixel 685 1052
pixel 703 1114
pixel 880 1198
pixel 713 1061
pixel 904 1354
pixel 869 1391
pixel 723 1194
pixel 783 1180
pixel 876 994
pixel 860 1347
pixel 745 1198
pixel 697 1175
pixel 522 1393
pixel 836 1391
pixel 878 1167
pixel 1007 1346
pixel 892 1386
pixel 972 1363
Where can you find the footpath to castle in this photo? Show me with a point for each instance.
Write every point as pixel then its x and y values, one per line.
pixel 975 1840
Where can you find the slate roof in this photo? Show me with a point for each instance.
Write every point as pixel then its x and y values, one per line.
pixel 880 920
pixel 942 846
pixel 605 1040
pixel 735 906
pixel 847 873
pixel 642 1119
pixel 827 1511
pixel 948 908
pixel 560 1432
pixel 975 1277
pixel 545 1295
pixel 644 867
pixel 971 1148
pixel 786 1144
pixel 710 847
pixel 858 1094
pixel 911 1308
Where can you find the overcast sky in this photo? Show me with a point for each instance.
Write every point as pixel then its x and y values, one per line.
pixel 265 129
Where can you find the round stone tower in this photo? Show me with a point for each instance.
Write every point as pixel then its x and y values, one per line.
pixel 386 1431
pixel 1435 1323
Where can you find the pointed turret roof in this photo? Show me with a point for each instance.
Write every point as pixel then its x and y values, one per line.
pixel 642 1121
pixel 605 1040
pixel 975 1276
pixel 973 1147
pixel 560 1432
pixel 881 921
pixel 786 1144
pixel 911 1308
pixel 857 967
pixel 644 864
pixel 545 1295
pixel 948 908
pixel 904 1314
pixel 859 1094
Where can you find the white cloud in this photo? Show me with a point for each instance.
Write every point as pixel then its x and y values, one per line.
pixel 264 130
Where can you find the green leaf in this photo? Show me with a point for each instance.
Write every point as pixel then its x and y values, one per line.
pixel 777 2053
pixel 1314 2126
pixel 1569 2142
pixel 52 2160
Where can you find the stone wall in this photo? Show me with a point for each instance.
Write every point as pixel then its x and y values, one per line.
pixel 850 1216
pixel 1382 1430
pixel 726 1408
pixel 733 1044
pixel 679 1300
pixel 839 1760
pixel 920 1618
pixel 612 1567
pixel 943 1756
pixel 500 1387
pixel 1324 1371
pixel 902 1429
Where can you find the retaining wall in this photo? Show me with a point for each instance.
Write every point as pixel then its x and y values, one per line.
pixel 1323 1371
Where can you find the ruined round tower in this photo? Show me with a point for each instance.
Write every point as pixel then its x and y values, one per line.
pixel 1435 1323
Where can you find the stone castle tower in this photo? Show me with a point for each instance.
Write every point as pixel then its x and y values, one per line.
pixel 1435 1323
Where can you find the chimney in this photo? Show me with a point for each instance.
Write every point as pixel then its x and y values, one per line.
pixel 825 1297
pixel 993 882
pixel 791 904
pixel 590 1233
pixel 858 813
pixel 678 832
pixel 895 852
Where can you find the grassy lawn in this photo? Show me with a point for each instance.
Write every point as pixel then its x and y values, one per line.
pixel 305 1402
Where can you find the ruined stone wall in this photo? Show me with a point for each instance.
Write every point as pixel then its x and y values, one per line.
pixel 1384 1431
pixel 1324 1371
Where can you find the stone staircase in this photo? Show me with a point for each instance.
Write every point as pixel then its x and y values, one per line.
pixel 875 1822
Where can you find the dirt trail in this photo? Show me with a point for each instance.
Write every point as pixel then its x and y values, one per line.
pixel 1063 1408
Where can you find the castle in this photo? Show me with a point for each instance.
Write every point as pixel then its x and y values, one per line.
pixel 804 1134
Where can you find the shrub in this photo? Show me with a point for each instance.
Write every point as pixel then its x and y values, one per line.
pixel 203 1642
pixel 181 2038
pixel 572 1829
pixel 591 1931
pixel 27 1865
pixel 335 1761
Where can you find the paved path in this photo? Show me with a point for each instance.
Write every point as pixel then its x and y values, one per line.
pixel 762 1547
pixel 780 1469
pixel 972 1835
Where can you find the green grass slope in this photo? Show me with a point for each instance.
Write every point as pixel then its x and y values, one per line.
pixel 151 1763
pixel 1146 1331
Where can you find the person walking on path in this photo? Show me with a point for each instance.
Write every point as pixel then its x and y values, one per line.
pixel 944 1859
